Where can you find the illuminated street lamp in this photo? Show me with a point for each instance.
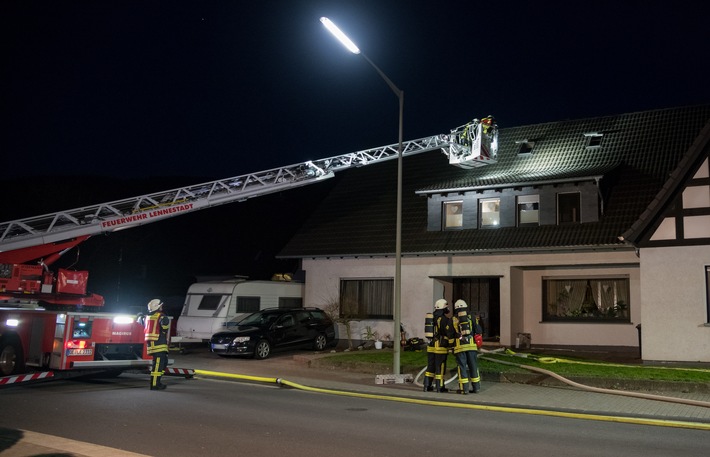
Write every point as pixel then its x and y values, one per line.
pixel 332 28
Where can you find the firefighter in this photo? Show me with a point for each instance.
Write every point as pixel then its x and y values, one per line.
pixel 440 339
pixel 157 327
pixel 466 348
pixel 469 133
pixel 488 122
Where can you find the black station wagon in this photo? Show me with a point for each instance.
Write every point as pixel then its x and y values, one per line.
pixel 275 328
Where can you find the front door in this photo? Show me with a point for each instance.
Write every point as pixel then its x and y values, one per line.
pixel 483 298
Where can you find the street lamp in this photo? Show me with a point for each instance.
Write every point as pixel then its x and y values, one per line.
pixel 332 28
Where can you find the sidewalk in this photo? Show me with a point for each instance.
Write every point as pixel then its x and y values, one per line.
pixel 297 368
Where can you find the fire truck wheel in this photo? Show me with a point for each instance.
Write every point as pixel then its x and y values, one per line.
pixel 262 349
pixel 320 342
pixel 11 359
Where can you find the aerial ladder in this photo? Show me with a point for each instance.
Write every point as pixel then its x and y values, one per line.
pixel 50 322
pixel 49 236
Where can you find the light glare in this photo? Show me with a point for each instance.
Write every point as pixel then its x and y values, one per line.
pixel 332 28
pixel 123 320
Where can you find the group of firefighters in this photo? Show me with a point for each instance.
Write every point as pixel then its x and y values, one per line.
pixel 460 334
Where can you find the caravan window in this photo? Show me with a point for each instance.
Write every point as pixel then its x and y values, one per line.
pixel 248 304
pixel 210 302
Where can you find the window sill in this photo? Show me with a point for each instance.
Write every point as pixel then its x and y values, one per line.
pixel 587 321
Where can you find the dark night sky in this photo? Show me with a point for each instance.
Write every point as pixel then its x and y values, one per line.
pixel 205 90
pixel 221 88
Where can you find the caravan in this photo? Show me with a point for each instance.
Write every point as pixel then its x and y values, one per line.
pixel 214 306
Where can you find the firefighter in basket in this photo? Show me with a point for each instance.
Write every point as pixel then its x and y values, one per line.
pixel 468 334
pixel 157 328
pixel 440 333
pixel 488 124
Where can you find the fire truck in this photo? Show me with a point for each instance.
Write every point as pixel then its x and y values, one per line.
pixel 48 320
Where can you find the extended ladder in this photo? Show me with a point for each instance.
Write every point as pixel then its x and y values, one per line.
pixel 135 211
pixel 466 147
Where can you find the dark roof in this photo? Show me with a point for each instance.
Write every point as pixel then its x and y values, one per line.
pixel 637 154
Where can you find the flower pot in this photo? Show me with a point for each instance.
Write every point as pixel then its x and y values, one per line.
pixel 378 344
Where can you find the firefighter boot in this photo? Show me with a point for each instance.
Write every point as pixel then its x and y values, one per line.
pixel 441 387
pixel 475 387
pixel 155 383
pixel 427 384
pixel 463 388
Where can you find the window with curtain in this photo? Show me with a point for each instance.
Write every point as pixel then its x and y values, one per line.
pixel 586 299
pixel 366 298
pixel 453 215
pixel 248 304
pixel 528 210
pixel 490 212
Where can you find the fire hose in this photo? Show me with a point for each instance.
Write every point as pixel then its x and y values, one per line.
pixel 507 352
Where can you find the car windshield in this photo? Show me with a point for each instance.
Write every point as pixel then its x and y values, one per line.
pixel 260 319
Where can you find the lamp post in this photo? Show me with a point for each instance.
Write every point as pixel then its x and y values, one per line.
pixel 332 28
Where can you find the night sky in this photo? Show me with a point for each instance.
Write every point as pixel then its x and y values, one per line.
pixel 204 90
pixel 220 88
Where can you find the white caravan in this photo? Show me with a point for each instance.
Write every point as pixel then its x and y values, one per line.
pixel 213 306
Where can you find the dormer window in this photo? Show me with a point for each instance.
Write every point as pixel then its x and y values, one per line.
pixel 594 140
pixel 453 215
pixel 489 212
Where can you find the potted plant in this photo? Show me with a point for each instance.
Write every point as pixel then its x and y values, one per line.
pixel 371 335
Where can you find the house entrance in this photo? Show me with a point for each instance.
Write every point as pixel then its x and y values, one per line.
pixel 483 298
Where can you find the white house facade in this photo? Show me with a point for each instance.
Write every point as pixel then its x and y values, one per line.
pixel 592 232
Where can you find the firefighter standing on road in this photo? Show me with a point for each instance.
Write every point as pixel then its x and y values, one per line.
pixel 156 328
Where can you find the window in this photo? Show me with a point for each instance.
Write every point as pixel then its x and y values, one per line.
pixel 453 215
pixel 210 302
pixel 526 147
pixel 290 302
pixel 490 212
pixel 568 208
pixel 586 299
pixel 286 321
pixel 366 298
pixel 528 210
pixel 594 140
pixel 248 304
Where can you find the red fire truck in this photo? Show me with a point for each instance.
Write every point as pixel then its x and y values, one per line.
pixel 48 321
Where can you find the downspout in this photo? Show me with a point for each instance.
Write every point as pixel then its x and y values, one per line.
pixel 599 191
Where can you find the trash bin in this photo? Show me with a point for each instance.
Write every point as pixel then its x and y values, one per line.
pixel 523 340
pixel 638 327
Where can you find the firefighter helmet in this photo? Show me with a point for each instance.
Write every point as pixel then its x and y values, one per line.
pixel 440 304
pixel 154 305
pixel 460 304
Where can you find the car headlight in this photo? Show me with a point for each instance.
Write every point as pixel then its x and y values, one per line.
pixel 240 339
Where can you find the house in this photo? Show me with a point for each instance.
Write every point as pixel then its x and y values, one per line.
pixel 591 232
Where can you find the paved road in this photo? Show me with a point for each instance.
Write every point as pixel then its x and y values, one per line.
pixel 92 403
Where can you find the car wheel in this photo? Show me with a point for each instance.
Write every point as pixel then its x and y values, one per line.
pixel 320 342
pixel 262 349
pixel 11 361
